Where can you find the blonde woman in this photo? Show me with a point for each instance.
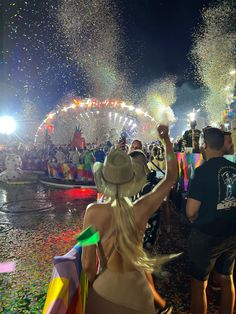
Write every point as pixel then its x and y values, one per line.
pixel 122 286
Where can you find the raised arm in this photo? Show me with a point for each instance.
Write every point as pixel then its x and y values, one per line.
pixel 148 204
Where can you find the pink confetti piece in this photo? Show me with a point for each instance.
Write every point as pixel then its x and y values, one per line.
pixel 7 267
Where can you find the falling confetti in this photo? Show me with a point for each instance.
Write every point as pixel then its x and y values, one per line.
pixel 214 55
pixel 159 98
pixel 92 32
pixel 38 60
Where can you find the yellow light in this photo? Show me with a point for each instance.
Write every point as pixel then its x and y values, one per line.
pixel 232 72
pixel 214 124
pixel 51 115
pixel 138 111
pixel 192 116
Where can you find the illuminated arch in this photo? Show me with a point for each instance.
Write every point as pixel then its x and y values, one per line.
pixel 96 119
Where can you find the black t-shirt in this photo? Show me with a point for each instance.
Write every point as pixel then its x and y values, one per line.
pixel 188 138
pixel 214 185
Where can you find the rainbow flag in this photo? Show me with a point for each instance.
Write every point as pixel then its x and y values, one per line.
pixel 68 288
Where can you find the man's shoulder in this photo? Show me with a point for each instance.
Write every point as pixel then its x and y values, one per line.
pixel 229 162
pixel 202 168
pixel 222 162
pixel 216 165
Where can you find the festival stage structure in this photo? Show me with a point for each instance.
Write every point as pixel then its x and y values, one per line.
pixel 99 121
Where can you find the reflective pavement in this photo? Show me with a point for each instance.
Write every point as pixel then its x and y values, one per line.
pixel 36 223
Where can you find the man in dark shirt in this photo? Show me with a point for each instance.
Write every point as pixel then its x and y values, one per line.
pixel 211 207
pixel 192 137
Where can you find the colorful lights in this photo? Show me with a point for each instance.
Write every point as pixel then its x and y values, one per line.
pixel 87 107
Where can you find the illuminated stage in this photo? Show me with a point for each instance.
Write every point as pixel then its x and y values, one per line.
pixel 99 121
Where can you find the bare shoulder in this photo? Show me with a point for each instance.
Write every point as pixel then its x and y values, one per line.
pixel 92 210
pixel 97 215
pixel 96 210
pixel 91 206
pixel 90 215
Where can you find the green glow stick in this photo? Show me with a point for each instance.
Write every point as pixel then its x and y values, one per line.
pixel 88 237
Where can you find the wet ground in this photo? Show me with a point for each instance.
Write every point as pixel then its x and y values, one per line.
pixel 37 223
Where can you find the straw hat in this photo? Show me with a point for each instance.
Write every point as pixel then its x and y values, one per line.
pixel 119 175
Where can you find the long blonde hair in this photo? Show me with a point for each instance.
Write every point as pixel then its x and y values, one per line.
pixel 129 240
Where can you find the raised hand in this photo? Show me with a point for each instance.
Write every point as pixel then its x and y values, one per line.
pixel 163 131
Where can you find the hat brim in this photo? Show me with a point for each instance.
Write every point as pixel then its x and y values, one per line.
pixel 128 189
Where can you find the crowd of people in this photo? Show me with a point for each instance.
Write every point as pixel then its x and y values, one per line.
pixel 136 181
pixel 125 284
pixel 35 157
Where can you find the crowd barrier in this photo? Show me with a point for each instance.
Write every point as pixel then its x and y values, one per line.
pixel 187 163
pixel 70 172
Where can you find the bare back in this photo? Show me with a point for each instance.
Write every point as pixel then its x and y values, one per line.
pixel 102 220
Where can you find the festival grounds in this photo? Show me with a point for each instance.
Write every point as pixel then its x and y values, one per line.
pixel 37 223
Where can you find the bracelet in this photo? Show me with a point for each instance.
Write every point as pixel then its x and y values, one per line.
pixel 170 157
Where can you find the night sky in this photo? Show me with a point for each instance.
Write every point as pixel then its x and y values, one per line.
pixel 35 64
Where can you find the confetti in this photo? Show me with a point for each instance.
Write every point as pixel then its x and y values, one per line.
pixel 92 33
pixel 213 55
pixel 159 98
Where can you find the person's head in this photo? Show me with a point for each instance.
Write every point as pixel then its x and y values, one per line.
pixel 150 147
pixel 140 157
pixel 120 177
pixel 213 142
pixel 193 124
pixel 228 147
pixel 136 144
pixel 155 151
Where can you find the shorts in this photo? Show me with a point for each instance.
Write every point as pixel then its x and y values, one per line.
pixel 206 251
